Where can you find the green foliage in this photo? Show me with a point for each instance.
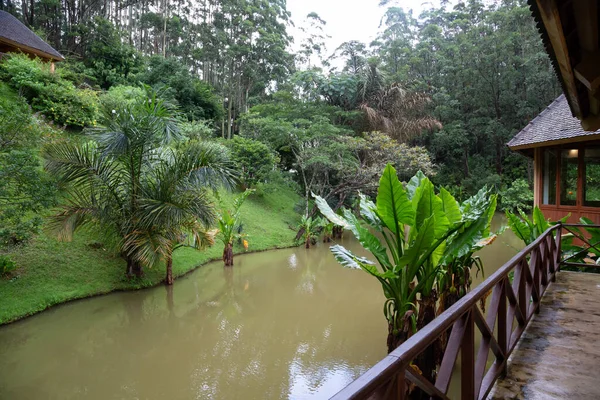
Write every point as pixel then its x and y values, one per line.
pixel 195 97
pixel 229 219
pixel 421 233
pixel 7 265
pixel 24 188
pixel 517 196
pixel 48 93
pixel 528 229
pixel 253 159
pixel 108 59
pixel 197 130
pixel 309 228
pixel 119 97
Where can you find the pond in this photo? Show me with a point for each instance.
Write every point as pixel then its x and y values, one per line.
pixel 280 324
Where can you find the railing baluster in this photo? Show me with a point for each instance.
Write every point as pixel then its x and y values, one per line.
pixel 502 320
pixel 467 360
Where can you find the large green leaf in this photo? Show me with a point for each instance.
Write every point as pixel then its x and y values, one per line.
pixel 393 206
pixel 519 228
pixel 427 204
pixel 465 240
pixel 419 246
pixel 414 183
pixel 369 241
pixel 328 212
pixel 368 211
pixel 540 220
pixel 349 260
pixel 450 206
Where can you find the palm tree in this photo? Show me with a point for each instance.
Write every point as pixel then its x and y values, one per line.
pixel 392 109
pixel 145 196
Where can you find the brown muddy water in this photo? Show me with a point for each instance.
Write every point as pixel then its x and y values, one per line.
pixel 279 324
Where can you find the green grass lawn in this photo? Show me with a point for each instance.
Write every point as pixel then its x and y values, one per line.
pixel 51 272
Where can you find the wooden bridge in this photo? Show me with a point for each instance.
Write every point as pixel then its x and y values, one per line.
pixel 539 321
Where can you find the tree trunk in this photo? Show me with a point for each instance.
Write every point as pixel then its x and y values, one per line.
pixel 307 244
pixel 134 268
pixel 228 255
pixel 169 278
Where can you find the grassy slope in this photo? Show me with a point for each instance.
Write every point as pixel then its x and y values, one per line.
pixel 52 272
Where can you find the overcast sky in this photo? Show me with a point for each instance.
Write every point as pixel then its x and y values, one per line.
pixel 348 19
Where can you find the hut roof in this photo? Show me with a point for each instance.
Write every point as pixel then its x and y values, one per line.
pixel 554 125
pixel 14 33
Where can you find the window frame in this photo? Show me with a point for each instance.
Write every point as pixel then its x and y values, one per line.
pixel 580 201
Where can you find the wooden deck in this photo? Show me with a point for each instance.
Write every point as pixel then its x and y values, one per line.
pixel 558 356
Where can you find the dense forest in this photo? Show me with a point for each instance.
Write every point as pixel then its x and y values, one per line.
pixel 441 92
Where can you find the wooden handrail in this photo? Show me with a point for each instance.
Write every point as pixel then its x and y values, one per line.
pixel 534 268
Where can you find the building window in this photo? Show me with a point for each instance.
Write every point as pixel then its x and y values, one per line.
pixel 569 163
pixel 549 178
pixel 591 182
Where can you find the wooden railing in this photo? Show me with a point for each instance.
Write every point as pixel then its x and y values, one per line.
pixel 515 298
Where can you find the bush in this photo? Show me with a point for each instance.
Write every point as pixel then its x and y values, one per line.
pixel 254 159
pixel 48 93
pixel 197 130
pixel 7 265
pixel 518 196
pixel 117 97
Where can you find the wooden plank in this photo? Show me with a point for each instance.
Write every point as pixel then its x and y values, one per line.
pixel 450 355
pixel 552 22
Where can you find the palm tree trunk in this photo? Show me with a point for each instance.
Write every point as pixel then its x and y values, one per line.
pixel 307 244
pixel 228 255
pixel 169 278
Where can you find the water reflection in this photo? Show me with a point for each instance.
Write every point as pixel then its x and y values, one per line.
pixel 282 324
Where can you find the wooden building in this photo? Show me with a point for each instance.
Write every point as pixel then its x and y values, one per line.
pixel 566 163
pixel 16 37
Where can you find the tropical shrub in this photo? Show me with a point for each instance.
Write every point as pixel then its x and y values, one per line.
pixel 228 221
pixel 517 196
pixel 48 93
pixel 528 229
pixel 253 159
pixel 419 233
pixel 7 265
pixel 309 227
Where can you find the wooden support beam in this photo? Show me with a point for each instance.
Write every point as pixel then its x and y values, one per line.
pixel 550 15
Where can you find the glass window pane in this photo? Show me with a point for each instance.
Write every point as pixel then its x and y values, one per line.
pixel 549 177
pixel 591 183
pixel 568 177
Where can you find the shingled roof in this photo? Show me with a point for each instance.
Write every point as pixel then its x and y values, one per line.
pixel 554 125
pixel 15 34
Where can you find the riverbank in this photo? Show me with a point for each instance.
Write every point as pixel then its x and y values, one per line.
pixel 52 272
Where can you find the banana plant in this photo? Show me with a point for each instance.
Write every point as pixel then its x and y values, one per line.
pixel 309 226
pixel 417 233
pixel 228 220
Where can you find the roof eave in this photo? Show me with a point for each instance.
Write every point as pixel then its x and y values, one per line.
pixel 32 50
pixel 549 143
